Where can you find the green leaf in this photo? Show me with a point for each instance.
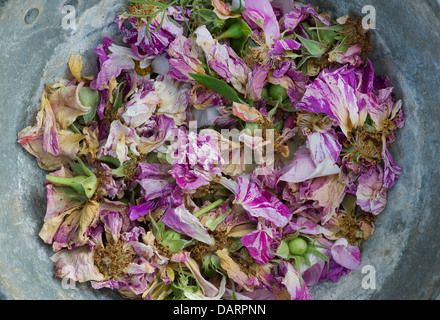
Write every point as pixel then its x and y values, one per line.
pixel 233 295
pixel 349 204
pixel 315 48
pixel 117 103
pixel 317 253
pixel 237 30
pixel 80 168
pixel 158 228
pixel 207 15
pixel 302 63
pixel 219 86
pixel 236 244
pixel 212 225
pixel 283 250
pixel 328 36
pixel 68 192
pixel 313 35
pixel 89 98
pixel 82 184
pixel 110 160
pixel 176 245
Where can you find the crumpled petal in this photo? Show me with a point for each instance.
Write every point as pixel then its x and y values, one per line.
pixel 154 132
pixel 352 56
pixel 184 59
pixel 324 146
pixel 371 194
pixel 196 160
pixel 262 13
pixel 246 113
pixel 111 64
pixel 347 256
pixel 281 46
pixel 120 139
pixel 328 193
pixel 259 202
pixel 392 170
pixel 260 244
pixel 155 181
pixel 292 283
pixel 334 93
pixel 66 105
pixel 141 106
pixel 257 81
pixel 76 264
pixel 233 269
pixel 201 97
pixel 173 98
pixel 69 148
pixel 181 220
pixel 223 60
pixel 303 167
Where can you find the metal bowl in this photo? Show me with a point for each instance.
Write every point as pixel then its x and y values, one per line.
pixel 400 261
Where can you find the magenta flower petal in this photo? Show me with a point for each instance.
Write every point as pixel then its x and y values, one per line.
pixel 261 203
pixel 262 14
pixel 260 244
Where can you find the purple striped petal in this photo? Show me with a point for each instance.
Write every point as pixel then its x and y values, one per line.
pixel 181 220
pixel 293 284
pixel 261 203
pixel 260 245
pixel 347 256
pixel 324 146
pixel 392 171
pixel 280 46
pixel 303 167
pixel 371 194
pixel 135 212
pixel 266 18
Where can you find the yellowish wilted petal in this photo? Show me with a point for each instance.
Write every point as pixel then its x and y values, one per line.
pixel 75 65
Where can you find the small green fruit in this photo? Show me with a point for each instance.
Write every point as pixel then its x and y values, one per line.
pixel 298 246
pixel 277 92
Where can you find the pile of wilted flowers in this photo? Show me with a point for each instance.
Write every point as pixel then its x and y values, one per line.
pixel 227 151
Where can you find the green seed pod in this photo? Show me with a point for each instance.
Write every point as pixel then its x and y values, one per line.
pixel 277 92
pixel 298 246
pixel 264 93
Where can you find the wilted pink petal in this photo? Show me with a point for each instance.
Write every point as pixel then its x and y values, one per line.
pixel 181 220
pixel 303 167
pixel 371 194
pixel 262 13
pixel 291 280
pixel 346 255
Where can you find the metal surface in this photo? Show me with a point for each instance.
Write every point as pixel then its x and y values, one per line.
pixel 404 251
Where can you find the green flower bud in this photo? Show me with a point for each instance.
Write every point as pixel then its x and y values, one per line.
pixel 277 92
pixel 298 246
pixel 264 93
